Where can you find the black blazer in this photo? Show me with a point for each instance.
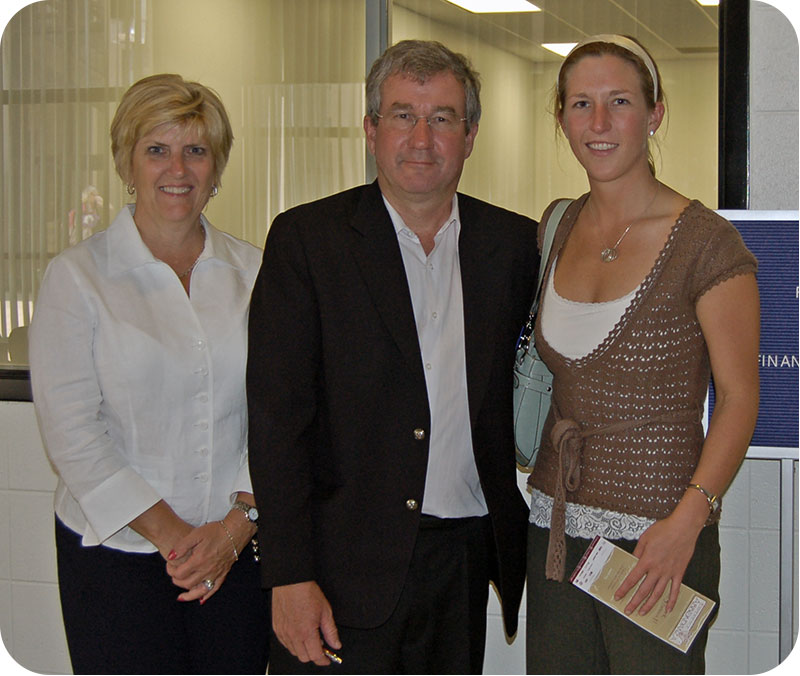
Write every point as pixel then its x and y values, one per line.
pixel 338 405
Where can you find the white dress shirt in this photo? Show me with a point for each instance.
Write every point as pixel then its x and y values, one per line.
pixel 452 486
pixel 139 388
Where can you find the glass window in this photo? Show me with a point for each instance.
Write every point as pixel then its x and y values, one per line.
pixel 290 73
pixel 518 162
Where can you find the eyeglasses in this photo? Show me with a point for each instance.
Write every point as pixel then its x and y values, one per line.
pixel 442 122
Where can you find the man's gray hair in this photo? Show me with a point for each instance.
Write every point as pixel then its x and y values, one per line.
pixel 420 60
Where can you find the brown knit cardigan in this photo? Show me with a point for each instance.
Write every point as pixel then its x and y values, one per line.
pixel 626 418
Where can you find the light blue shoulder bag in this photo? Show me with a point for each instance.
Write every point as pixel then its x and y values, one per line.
pixel 533 382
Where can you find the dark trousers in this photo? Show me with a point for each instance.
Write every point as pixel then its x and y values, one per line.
pixel 121 615
pixel 439 624
pixel 568 632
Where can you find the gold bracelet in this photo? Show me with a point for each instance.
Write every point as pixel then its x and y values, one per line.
pixel 713 500
pixel 228 533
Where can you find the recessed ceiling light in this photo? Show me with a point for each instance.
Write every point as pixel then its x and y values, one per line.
pixel 560 48
pixel 495 6
pixel 708 3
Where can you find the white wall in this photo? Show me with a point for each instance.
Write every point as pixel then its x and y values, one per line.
pixel 521 164
pixel 773 107
pixel 30 612
pixel 744 638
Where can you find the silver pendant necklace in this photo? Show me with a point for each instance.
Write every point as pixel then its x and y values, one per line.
pixel 611 253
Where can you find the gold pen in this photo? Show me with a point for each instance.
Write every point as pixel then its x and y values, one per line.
pixel 332 656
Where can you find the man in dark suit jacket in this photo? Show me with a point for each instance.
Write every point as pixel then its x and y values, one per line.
pixel 382 333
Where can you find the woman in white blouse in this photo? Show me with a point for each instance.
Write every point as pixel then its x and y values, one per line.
pixel 137 351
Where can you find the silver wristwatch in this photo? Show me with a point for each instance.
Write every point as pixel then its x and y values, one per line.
pixel 250 512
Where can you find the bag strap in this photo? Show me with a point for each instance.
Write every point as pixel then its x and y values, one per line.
pixel 547 244
pixel 549 234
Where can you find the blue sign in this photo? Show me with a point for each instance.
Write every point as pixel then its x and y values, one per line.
pixel 773 239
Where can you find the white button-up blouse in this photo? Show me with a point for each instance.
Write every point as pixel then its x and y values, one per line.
pixel 140 389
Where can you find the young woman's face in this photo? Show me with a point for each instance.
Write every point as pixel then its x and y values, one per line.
pixel 606 117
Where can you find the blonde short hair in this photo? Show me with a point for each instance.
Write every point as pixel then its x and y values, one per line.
pixel 169 99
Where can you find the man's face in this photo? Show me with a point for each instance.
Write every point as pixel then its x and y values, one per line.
pixel 420 163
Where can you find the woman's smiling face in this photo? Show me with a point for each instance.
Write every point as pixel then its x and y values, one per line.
pixel 606 117
pixel 173 174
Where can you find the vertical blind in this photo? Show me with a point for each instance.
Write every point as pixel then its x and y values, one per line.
pixel 64 65
pixel 290 73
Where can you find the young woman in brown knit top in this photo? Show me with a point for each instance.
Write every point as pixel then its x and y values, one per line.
pixel 646 294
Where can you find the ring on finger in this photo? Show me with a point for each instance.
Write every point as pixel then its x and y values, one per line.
pixel 208 584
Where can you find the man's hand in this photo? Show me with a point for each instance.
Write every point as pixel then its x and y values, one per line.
pixel 302 619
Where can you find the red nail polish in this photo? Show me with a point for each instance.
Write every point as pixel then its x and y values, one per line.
pixel 171 556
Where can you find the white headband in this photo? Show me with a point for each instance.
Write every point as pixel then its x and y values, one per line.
pixel 629 45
